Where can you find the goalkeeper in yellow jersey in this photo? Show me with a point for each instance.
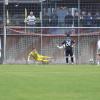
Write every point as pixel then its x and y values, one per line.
pixel 38 57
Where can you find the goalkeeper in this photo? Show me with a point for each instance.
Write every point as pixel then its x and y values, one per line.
pixel 38 57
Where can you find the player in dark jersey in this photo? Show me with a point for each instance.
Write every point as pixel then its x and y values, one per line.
pixel 68 45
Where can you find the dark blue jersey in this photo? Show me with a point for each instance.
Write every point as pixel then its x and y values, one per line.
pixel 68 42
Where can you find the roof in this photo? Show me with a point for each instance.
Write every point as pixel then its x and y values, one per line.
pixel 22 1
pixel 37 1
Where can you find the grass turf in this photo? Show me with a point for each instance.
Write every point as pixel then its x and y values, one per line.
pixel 49 82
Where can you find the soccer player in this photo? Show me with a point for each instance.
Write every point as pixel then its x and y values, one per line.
pixel 38 57
pixel 98 52
pixel 68 45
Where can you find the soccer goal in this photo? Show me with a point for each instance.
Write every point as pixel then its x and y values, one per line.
pixel 43 24
pixel 19 42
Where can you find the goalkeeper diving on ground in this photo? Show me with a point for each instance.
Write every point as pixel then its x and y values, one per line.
pixel 38 57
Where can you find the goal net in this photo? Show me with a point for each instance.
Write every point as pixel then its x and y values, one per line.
pixel 25 24
pixel 20 41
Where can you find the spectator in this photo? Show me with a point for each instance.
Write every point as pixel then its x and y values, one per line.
pixel 83 19
pixel 1 20
pixel 46 20
pixel 97 19
pixel 31 20
pixel 89 20
pixel 69 20
pixel 61 13
pixel 54 19
pixel 76 17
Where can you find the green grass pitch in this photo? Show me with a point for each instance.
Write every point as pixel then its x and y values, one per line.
pixel 49 82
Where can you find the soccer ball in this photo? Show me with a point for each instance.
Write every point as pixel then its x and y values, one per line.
pixel 91 61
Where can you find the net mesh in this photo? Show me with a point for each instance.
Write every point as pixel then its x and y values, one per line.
pixel 20 43
pixel 54 18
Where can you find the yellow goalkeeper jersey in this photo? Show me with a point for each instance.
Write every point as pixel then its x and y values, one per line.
pixel 37 56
